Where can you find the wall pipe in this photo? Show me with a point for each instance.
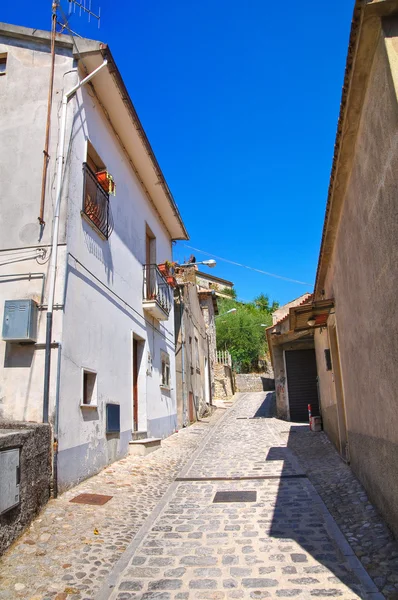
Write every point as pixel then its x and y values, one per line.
pixel 54 245
pixel 17 276
pixel 46 156
pixel 184 396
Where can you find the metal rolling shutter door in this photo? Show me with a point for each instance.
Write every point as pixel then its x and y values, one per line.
pixel 302 384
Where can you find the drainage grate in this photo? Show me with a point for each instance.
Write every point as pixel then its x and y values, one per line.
pixel 95 499
pixel 243 496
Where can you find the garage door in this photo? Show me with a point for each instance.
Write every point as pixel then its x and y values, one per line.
pixel 301 383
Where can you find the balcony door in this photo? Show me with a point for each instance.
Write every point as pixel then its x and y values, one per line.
pixel 150 259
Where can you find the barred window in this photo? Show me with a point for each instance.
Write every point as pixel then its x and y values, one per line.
pixel 96 206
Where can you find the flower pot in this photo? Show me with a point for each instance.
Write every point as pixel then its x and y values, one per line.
pixel 164 269
pixel 171 280
pixel 106 182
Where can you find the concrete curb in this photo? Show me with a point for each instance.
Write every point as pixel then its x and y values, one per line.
pixel 110 583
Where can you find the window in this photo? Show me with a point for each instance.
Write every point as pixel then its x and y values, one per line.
pixel 97 185
pixel 165 370
pixel 3 64
pixel 89 388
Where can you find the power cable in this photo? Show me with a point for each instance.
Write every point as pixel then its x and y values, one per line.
pixel 231 262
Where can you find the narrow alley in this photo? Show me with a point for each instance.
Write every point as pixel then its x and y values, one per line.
pixel 240 519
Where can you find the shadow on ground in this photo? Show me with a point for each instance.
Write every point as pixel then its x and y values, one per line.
pixel 296 517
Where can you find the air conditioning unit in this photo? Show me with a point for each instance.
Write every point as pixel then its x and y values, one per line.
pixel 20 321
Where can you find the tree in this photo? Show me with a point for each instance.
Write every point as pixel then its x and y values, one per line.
pixel 241 332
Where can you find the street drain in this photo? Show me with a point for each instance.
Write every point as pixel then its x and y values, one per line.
pixel 243 496
pixel 95 499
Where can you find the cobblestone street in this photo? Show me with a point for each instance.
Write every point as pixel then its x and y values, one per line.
pixel 174 530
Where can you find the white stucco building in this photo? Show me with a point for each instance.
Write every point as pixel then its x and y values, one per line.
pixel 112 344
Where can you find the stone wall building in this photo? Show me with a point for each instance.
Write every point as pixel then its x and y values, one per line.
pixel 352 315
pixel 294 364
pixel 219 286
pixel 195 347
pixel 358 262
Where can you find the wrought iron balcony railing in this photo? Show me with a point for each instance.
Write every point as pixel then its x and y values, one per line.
pixel 96 206
pixel 156 293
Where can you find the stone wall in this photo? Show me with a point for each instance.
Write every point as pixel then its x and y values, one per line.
pixel 34 441
pixel 224 382
pixel 254 382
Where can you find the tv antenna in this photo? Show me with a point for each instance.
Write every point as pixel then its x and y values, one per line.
pixel 80 7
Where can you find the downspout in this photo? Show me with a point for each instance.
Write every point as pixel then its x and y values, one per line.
pixel 184 396
pixel 46 156
pixel 54 245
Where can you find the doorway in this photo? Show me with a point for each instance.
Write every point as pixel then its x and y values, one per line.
pixel 302 386
pixel 150 261
pixel 191 414
pixel 138 348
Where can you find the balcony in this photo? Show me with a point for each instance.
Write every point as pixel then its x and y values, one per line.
pixel 96 209
pixel 156 293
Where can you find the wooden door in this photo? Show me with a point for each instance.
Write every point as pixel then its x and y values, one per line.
pixel 135 385
pixel 191 414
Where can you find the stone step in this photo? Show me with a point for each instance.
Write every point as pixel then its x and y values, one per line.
pixel 144 446
pixel 139 435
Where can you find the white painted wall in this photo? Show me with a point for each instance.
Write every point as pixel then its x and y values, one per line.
pixel 23 107
pixel 102 293
pixel 103 310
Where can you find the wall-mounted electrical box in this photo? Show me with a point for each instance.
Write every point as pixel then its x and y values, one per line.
pixel 20 321
pixel 9 477
pixel 113 418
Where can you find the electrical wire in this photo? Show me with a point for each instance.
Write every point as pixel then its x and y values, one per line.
pixel 231 262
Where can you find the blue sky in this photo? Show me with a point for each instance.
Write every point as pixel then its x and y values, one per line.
pixel 240 103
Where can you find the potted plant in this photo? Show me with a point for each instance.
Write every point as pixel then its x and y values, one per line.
pixel 167 268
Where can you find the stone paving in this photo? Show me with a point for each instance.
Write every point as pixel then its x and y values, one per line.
pixel 284 544
pixel 162 536
pixel 60 556
pixel 348 503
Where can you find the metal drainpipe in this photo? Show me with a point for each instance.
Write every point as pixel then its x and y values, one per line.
pixel 54 246
pixel 46 156
pixel 184 396
pixel 54 481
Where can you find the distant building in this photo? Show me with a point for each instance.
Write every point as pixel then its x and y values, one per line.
pixel 195 346
pixel 294 364
pixel 221 287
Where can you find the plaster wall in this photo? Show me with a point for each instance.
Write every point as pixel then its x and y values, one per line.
pixel 103 311
pixel 328 400
pixel 23 103
pixel 362 279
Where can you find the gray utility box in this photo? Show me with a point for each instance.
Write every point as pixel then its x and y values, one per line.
pixel 20 321
pixel 9 479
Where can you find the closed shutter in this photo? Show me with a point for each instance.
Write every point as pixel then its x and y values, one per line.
pixel 301 383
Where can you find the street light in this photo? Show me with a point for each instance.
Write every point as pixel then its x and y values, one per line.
pixel 231 310
pixel 209 263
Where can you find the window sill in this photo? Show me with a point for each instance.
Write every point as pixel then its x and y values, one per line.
pixel 165 387
pixel 89 406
